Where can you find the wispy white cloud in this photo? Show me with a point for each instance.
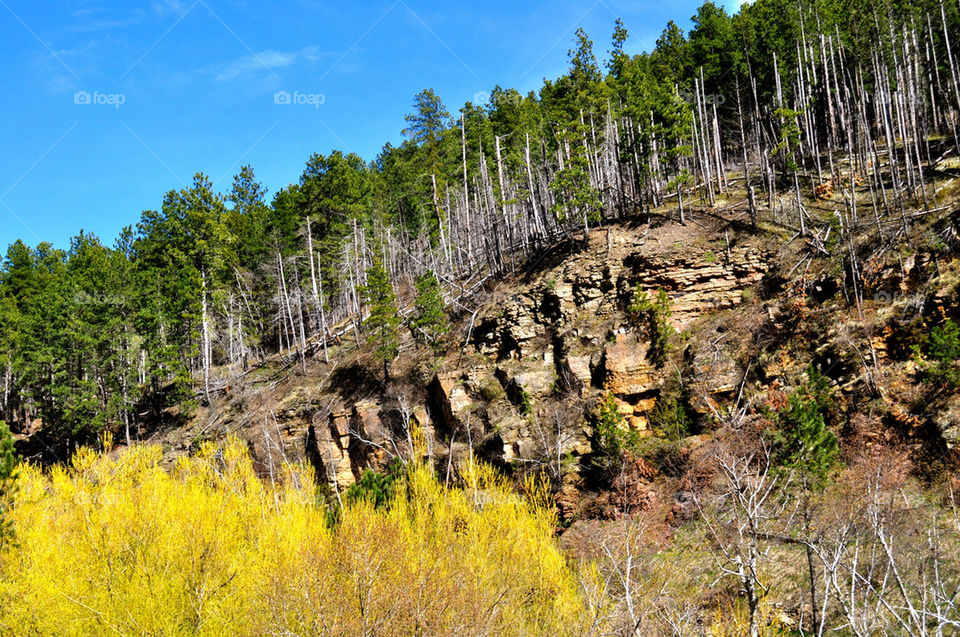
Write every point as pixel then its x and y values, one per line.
pixel 92 15
pixel 60 70
pixel 103 25
pixel 267 61
pixel 163 7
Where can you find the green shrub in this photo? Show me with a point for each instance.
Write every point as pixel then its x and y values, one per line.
pixel 376 488
pixel 804 442
pixel 611 438
pixel 655 316
pixel 938 353
pixel 670 417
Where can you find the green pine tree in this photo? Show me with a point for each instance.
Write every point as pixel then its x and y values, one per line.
pixel 430 322
pixel 655 316
pixel 806 444
pixel 939 353
pixel 383 323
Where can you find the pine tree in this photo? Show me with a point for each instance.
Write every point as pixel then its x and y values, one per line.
pixel 939 354
pixel 655 317
pixel 806 444
pixel 430 322
pixel 247 218
pixel 612 436
pixel 383 323
pixel 576 199
pixel 425 129
pixel 809 448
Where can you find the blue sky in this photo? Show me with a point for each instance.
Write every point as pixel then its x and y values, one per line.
pixel 108 104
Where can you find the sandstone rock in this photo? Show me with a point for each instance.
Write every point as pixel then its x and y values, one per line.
pixel 451 396
pixel 340 424
pixel 420 417
pixel 579 443
pixel 581 367
pixel 627 367
pixel 366 419
pixel 638 424
pixel 527 448
pixel 537 377
pixel 333 449
pixel 714 373
pixel 947 420
pixel 510 427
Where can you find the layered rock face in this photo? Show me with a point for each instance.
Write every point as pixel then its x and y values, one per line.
pixel 543 348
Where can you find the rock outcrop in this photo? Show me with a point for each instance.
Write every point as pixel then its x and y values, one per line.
pixel 542 348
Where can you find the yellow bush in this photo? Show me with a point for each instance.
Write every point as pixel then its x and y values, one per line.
pixel 118 545
pixel 734 621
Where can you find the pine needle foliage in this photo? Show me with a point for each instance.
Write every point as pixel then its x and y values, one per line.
pixel 430 322
pixel 383 323
pixel 805 442
pixel 654 315
pixel 613 438
pixel 939 353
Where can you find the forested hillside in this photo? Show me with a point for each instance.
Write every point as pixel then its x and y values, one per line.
pixel 669 346
pixel 778 101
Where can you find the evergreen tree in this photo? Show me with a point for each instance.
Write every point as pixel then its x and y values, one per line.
pixel 425 129
pixel 712 47
pixel 247 220
pixel 576 199
pixel 430 322
pixel 426 124
pixel 939 353
pixel 335 193
pixel 806 444
pixel 671 57
pixel 619 60
pixel 654 315
pixel 383 323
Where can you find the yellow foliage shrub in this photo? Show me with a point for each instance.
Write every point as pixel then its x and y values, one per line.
pixel 734 621
pixel 118 545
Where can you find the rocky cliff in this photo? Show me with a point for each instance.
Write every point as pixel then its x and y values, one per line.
pixel 524 370
pixel 532 355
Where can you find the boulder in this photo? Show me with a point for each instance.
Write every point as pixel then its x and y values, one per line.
pixel 535 374
pixel 627 367
pixel 947 420
pixel 333 449
pixel 450 395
